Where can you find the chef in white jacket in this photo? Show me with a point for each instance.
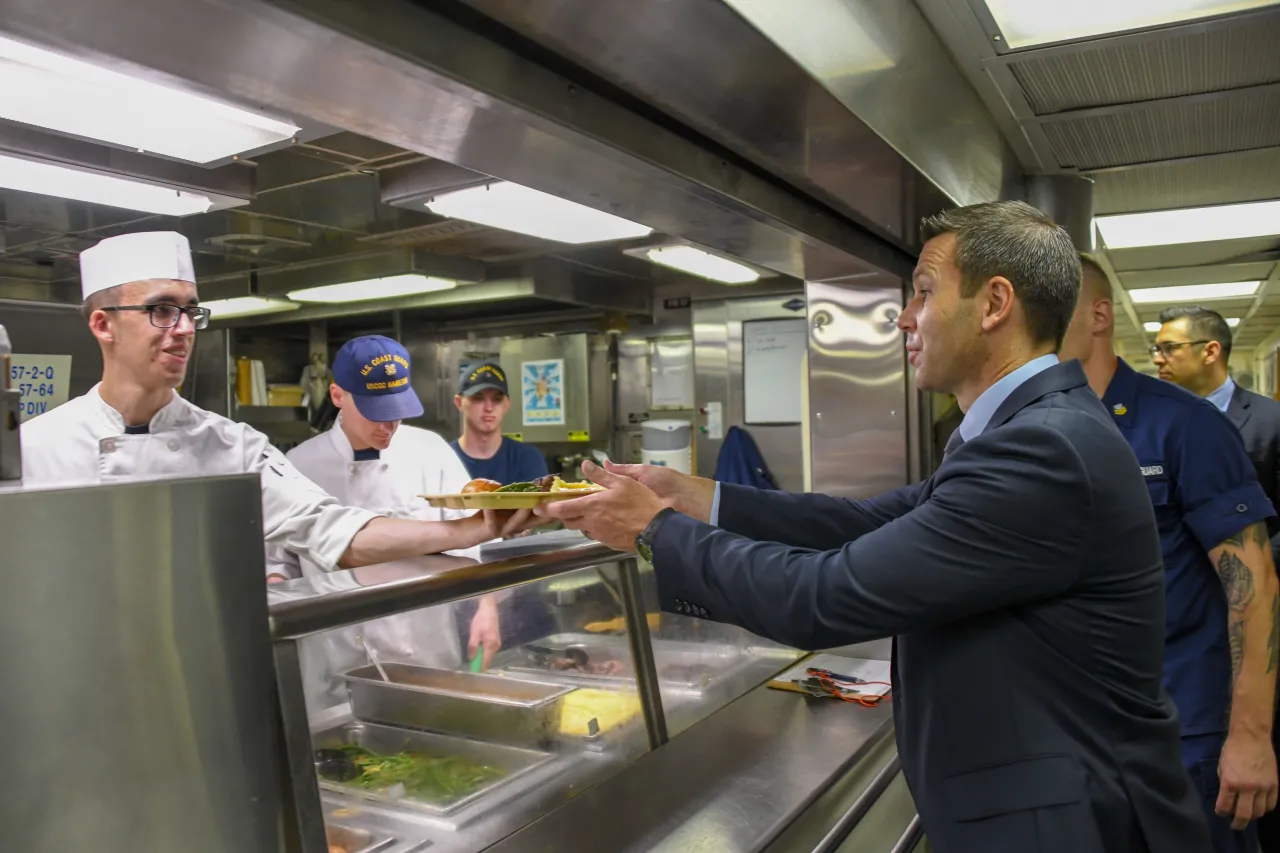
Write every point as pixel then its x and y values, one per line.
pixel 141 305
pixel 369 459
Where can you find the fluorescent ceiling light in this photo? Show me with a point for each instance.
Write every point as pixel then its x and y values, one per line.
pixel 35 176
pixel 245 306
pixel 374 288
pixel 1155 325
pixel 1194 292
pixel 704 264
pixel 512 207
pixel 1190 225
pixel 48 90
pixel 1027 22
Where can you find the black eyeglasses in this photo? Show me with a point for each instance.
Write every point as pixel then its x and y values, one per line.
pixel 165 315
pixel 1166 349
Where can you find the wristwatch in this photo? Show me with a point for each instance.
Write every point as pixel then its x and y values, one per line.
pixel 644 540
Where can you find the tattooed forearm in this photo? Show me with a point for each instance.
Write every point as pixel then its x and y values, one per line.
pixel 1237 581
pixel 1255 533
pixel 1236 632
pixel 1273 639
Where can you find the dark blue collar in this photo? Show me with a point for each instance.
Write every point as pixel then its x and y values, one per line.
pixel 367 455
pixel 1121 398
pixel 140 429
pixel 1060 377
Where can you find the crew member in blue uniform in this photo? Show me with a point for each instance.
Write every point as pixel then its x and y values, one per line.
pixel 483 401
pixel 1220 583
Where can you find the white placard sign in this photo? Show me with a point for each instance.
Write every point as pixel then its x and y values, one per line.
pixel 671 374
pixel 43 382
pixel 772 370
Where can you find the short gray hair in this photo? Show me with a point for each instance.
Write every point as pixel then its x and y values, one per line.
pixel 1014 240
pixel 1205 324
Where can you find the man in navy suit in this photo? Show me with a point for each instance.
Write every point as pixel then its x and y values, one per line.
pixel 1023 581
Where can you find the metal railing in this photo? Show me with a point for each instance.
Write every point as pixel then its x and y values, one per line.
pixel 291 620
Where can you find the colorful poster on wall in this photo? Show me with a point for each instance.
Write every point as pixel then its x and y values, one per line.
pixel 542 392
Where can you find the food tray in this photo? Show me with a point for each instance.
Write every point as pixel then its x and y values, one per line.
pixel 515 762
pixel 500 500
pixel 688 667
pixel 356 840
pixel 489 707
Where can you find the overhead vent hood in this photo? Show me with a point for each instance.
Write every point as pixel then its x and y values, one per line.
pixel 542 286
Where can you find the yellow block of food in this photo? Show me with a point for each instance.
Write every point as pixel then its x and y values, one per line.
pixel 607 708
pixel 620 624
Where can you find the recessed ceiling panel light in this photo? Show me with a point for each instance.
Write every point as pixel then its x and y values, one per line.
pixel 36 176
pixel 247 306
pixel 1155 325
pixel 704 264
pixel 512 207
pixel 1190 225
pixel 1194 292
pixel 390 287
pixel 1026 22
pixel 56 92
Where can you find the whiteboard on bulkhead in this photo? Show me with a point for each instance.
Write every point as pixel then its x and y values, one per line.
pixel 772 370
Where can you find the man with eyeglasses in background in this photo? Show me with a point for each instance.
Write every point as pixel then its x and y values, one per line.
pixel 141 304
pixel 1220 586
pixel 1193 350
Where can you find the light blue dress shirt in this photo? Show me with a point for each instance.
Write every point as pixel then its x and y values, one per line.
pixel 979 414
pixel 1221 397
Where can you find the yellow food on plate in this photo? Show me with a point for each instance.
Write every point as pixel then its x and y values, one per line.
pixel 607 708
pixel 558 485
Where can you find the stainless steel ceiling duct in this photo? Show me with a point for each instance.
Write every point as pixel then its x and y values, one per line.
pixel 401 73
pixel 1068 199
pixel 854 101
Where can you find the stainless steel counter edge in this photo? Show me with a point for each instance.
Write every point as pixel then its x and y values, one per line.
pixel 294 619
pixel 732 783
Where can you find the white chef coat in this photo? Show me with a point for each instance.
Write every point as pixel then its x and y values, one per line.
pixel 417 462
pixel 83 441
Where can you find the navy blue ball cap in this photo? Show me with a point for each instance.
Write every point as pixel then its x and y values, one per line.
pixel 482 376
pixel 374 370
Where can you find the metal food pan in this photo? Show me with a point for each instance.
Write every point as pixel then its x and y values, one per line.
pixel 488 707
pixel 355 840
pixel 386 740
pixel 685 666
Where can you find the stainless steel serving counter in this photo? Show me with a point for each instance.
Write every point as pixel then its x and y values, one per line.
pixel 732 783
pixel 748 761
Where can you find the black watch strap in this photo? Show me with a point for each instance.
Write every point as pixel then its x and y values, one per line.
pixel 644 541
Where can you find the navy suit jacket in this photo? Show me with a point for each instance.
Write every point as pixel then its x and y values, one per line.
pixel 1024 585
pixel 1258 419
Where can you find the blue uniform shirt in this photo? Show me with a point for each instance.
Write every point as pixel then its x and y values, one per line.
pixel 515 462
pixel 1203 489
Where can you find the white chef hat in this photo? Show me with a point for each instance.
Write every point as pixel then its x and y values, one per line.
pixel 135 257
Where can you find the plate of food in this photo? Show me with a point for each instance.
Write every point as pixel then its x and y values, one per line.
pixel 489 494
